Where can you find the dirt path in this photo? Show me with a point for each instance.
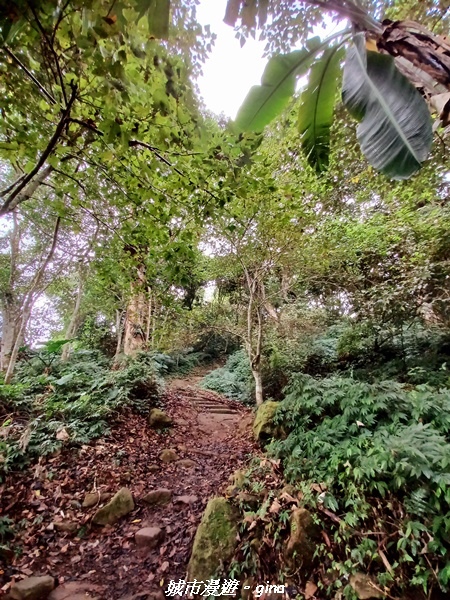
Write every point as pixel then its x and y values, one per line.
pixel 212 432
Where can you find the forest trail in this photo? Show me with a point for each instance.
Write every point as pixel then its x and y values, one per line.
pixel 210 439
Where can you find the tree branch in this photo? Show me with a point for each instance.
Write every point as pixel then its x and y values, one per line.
pixel 18 62
pixel 12 201
pixel 53 51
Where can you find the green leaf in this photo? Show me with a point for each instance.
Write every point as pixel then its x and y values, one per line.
pixel 158 15
pixel 317 108
pixel 395 132
pixel 65 379
pixel 158 19
pixel 264 102
pixel 54 346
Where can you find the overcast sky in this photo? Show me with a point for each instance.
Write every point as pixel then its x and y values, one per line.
pixel 230 70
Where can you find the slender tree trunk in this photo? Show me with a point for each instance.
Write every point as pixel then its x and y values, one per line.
pixel 257 376
pixel 31 297
pixel 10 329
pixel 18 342
pixel 10 305
pixel 254 338
pixel 149 318
pixel 74 323
pixel 83 273
pixel 120 326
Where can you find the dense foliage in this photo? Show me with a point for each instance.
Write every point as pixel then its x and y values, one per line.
pixel 144 236
pixel 376 456
pixel 234 379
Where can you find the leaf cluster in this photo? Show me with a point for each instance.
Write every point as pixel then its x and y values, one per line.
pixel 77 397
pixel 377 458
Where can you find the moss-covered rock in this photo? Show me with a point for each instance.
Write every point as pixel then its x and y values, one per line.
pixel 302 540
pixel 215 540
pixel 120 505
pixel 264 427
pixel 158 419
pixel 237 478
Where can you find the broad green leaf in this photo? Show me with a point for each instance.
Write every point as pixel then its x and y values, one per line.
pixel 53 346
pixel 317 107
pixel 158 19
pixel 395 132
pixel 264 102
pixel 158 15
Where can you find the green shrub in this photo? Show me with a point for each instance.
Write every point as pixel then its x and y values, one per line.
pixel 77 396
pixel 177 363
pixel 234 380
pixel 378 457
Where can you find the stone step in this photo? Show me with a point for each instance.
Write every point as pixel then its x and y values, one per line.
pixel 210 405
pixel 221 411
pixel 216 405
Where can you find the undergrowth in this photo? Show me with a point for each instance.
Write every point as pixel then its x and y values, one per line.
pixel 68 401
pixel 233 380
pixel 373 461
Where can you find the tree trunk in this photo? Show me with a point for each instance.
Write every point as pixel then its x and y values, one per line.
pixel 135 325
pixel 18 342
pixel 11 306
pixel 31 297
pixel 120 326
pixel 74 323
pixel 257 376
pixel 10 328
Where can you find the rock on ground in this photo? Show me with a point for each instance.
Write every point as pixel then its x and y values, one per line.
pixel 32 588
pixel 187 463
pixel 185 500
pixel 263 427
pixel 362 584
pixel 66 526
pixel 158 497
pixel 120 505
pixel 168 455
pixel 149 537
pixel 93 498
pixel 75 590
pixel 214 541
pixel 158 419
pixel 302 538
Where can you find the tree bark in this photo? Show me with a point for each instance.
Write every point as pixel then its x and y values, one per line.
pixel 10 304
pixel 74 323
pixel 30 299
pixel 10 326
pixel 137 314
pixel 120 327
pixel 257 376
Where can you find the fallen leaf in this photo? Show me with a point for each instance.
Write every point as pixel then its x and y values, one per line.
pixel 310 590
pixel 62 435
pixel 275 507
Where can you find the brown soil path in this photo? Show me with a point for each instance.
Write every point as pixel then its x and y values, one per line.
pixel 104 562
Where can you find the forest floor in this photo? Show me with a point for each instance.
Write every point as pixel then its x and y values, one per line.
pixel 55 534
